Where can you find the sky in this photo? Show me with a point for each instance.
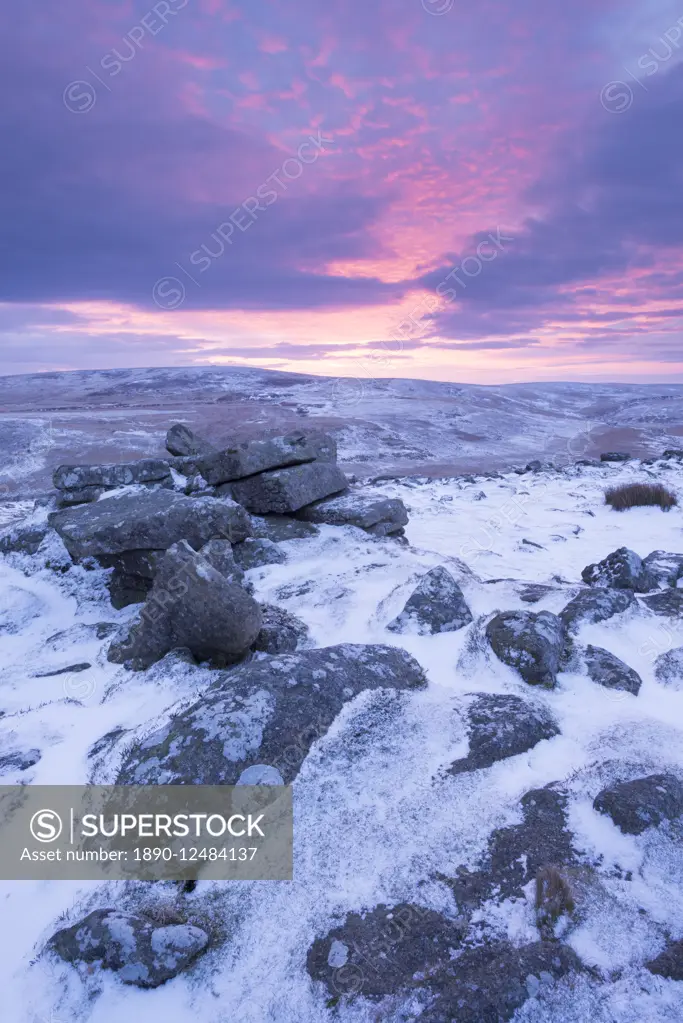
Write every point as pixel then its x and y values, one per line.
pixel 482 192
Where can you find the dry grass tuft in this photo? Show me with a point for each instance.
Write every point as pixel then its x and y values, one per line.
pixel 636 495
pixel 164 914
pixel 554 898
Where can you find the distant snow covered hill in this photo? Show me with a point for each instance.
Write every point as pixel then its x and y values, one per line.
pixel 391 426
pixel 424 816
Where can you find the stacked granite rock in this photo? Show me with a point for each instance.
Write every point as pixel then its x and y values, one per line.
pixel 179 536
pixel 294 474
pixel 81 484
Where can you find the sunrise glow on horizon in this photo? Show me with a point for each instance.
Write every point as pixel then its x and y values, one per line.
pixel 481 193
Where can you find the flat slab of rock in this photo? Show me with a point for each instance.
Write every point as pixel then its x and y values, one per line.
pixel 669 668
pixel 145 521
pixel 281 527
pixel 614 456
pixel 281 632
pixel 182 441
pixel 515 854
pixel 596 605
pixel 610 672
pixel 121 474
pixel 668 963
pixel 668 603
pixel 437 604
pixel 622 570
pixel 502 726
pixel 380 516
pixel 257 456
pixel 190 605
pixel 665 568
pixel 137 951
pixel 533 592
pixel 535 643
pixel 84 495
pixel 644 803
pixel 492 982
pixel 400 941
pixel 287 490
pixel 253 553
pixel 69 669
pixel 268 711
pixel 23 540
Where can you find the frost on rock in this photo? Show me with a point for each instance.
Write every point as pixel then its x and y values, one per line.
pixel 643 803
pixel 536 644
pixel 287 490
pixel 253 457
pixel 611 672
pixel 502 726
pixel 384 829
pixel 131 946
pixel 24 539
pixel 190 605
pixel 407 949
pixel 669 962
pixel 669 668
pixel 596 605
pixel 668 603
pixel 665 568
pixel 281 632
pixel 622 569
pixel 515 854
pixel 266 712
pixel 437 604
pixel 493 982
pixel 379 952
pixel 148 521
pixel 380 516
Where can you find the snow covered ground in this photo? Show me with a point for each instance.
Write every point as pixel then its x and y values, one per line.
pixel 389 425
pixel 376 815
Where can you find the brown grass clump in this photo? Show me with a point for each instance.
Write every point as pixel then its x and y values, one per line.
pixel 554 898
pixel 636 495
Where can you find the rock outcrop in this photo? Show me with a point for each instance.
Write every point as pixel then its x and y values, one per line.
pixel 664 568
pixel 267 712
pixel 622 570
pixel 437 604
pixel 669 668
pixel 132 946
pixel 643 803
pixel 81 484
pixel 193 606
pixel 281 632
pixel 597 604
pixel 536 644
pixel 257 456
pixel 668 603
pixel 253 553
pixel 285 491
pixel 501 726
pixel 182 441
pixel 611 672
pixel 380 516
pixel 148 521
